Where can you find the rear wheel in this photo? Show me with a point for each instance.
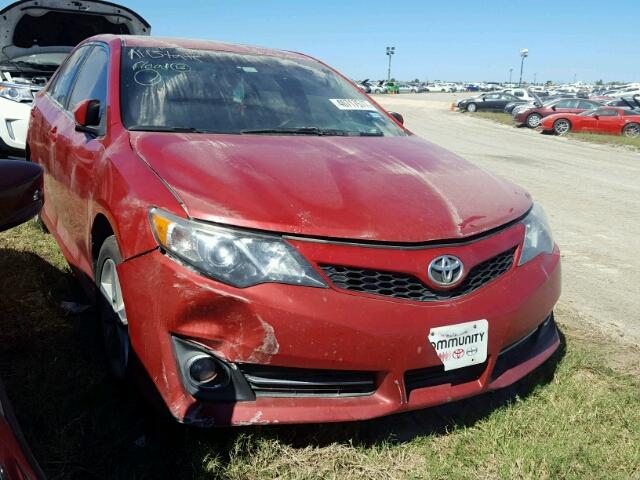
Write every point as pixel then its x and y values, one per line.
pixel 472 107
pixel 112 314
pixel 632 130
pixel 533 120
pixel 561 126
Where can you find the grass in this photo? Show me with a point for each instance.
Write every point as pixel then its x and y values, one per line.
pixel 577 417
pixel 602 139
pixel 497 117
pixel 633 143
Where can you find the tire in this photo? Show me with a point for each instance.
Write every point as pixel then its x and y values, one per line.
pixel 533 120
pixel 111 311
pixel 631 130
pixel 561 126
pixel 472 107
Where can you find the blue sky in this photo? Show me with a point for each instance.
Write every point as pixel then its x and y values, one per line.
pixel 447 40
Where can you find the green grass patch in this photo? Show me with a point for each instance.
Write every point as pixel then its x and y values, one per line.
pixel 577 417
pixel 497 117
pixel 620 140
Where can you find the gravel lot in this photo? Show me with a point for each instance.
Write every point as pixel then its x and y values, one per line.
pixel 591 193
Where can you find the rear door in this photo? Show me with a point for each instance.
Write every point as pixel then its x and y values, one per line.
pixel 81 151
pixel 50 113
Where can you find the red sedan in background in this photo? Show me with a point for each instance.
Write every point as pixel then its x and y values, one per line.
pixel 605 120
pixel 274 247
pixel 532 117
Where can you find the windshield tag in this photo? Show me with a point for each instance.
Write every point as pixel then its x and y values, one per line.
pixel 352 104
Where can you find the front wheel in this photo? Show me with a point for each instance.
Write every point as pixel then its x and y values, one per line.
pixel 632 130
pixel 472 107
pixel 533 120
pixel 561 127
pixel 112 314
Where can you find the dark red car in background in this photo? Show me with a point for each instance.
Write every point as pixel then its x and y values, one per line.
pixel 274 247
pixel 20 200
pixel 532 117
pixel 605 120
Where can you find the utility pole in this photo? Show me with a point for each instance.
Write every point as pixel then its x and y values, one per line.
pixel 510 74
pixel 524 53
pixel 535 77
pixel 390 52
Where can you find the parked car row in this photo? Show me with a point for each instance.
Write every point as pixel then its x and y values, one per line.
pixel 562 113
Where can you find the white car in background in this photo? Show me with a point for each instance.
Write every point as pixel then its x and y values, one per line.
pixel 35 37
pixel 441 87
pixel 377 87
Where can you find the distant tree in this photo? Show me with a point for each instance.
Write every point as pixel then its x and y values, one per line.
pixel 417 80
pixel 599 82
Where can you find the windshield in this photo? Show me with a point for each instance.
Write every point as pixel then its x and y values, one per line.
pixel 169 89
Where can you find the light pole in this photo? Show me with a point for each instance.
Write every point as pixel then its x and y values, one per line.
pixel 524 53
pixel 390 52
pixel 510 74
pixel 535 77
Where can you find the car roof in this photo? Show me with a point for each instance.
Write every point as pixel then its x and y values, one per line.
pixel 190 44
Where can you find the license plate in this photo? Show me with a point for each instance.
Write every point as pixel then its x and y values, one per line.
pixel 462 344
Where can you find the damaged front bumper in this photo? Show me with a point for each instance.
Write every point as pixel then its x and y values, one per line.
pixel 301 354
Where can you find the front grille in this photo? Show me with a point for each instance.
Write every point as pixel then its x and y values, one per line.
pixel 270 381
pixel 401 285
pixel 432 376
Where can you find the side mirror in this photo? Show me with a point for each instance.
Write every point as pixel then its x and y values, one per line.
pixel 554 108
pixel 20 192
pixel 596 117
pixel 87 117
pixel 398 117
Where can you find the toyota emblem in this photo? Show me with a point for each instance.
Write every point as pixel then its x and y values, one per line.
pixel 445 270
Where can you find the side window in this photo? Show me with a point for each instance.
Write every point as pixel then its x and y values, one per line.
pixel 518 94
pixel 585 105
pixel 608 112
pixel 567 104
pixel 493 96
pixel 91 82
pixel 60 89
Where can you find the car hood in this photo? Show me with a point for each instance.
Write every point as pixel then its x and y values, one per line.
pixel 391 189
pixel 31 27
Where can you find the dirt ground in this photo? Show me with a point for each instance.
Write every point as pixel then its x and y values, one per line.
pixel 590 192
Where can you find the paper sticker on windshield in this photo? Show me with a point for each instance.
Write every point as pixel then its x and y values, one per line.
pixel 352 104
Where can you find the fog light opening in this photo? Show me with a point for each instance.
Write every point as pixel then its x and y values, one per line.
pixel 204 371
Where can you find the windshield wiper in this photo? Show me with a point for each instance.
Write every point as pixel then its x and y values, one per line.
pixel 315 131
pixel 162 128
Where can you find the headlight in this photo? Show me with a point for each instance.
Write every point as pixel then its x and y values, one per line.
pixel 15 92
pixel 537 237
pixel 235 257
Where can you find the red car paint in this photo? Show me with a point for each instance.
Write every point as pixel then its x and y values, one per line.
pixel 563 105
pixel 388 203
pixel 607 120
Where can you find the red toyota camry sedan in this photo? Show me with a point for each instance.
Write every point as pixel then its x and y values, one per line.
pixel 274 247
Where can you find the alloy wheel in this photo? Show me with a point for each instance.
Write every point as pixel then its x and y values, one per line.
pixel 562 127
pixel 114 319
pixel 632 130
pixel 533 120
